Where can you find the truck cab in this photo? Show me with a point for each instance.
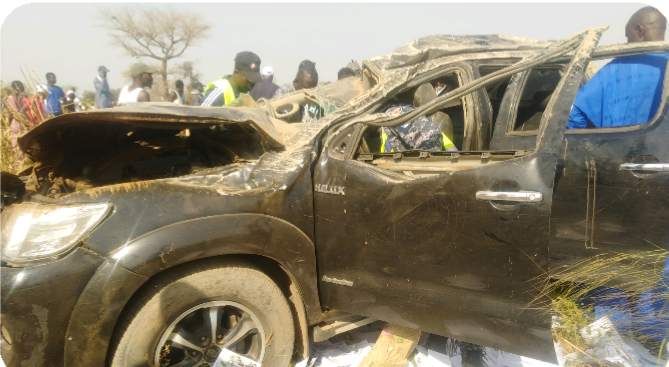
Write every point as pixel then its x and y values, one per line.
pixel 456 243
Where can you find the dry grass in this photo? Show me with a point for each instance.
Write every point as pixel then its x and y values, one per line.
pixel 11 158
pixel 632 273
pixel 572 318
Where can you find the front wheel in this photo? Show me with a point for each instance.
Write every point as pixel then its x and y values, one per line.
pixel 235 312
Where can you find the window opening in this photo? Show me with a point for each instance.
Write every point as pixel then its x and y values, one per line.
pixel 538 89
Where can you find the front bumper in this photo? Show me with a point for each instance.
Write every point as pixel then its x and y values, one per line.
pixel 37 303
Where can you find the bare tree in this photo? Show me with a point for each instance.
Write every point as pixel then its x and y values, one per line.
pixel 157 34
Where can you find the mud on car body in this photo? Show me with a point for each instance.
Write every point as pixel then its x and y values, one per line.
pixel 159 234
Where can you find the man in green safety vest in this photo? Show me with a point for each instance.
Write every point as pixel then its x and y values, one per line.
pixel 225 91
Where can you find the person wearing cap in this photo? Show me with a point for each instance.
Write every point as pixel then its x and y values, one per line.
pixel 103 96
pixel 226 90
pixel 142 79
pixel 265 88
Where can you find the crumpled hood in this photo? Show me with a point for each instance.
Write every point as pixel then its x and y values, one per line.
pixel 167 115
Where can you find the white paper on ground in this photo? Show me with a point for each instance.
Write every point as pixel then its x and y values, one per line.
pixel 329 354
pixel 228 358
pixel 606 344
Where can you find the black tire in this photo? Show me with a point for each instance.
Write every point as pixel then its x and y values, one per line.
pixel 170 297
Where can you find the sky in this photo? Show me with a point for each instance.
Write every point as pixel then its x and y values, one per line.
pixel 69 40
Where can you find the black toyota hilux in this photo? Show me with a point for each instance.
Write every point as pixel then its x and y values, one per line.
pixel 164 235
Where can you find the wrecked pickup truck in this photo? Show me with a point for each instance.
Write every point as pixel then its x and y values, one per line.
pixel 163 235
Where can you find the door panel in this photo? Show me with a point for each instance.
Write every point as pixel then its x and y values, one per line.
pixel 606 201
pixel 452 252
pixel 396 242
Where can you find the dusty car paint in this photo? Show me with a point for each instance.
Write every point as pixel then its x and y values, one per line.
pixel 599 207
pixel 266 207
pixel 36 306
pixel 427 243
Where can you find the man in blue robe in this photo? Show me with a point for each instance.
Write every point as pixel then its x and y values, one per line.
pixel 628 90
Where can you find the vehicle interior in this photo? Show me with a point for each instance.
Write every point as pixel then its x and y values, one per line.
pixel 537 85
pixel 538 90
pixel 73 159
pixel 371 140
pixel 495 91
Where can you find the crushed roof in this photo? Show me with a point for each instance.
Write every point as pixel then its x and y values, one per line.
pixel 441 45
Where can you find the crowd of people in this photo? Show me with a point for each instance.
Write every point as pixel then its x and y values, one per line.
pixel 27 110
pixel 51 100
pixel 246 77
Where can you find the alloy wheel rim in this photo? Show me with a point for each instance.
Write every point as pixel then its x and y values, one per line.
pixel 198 335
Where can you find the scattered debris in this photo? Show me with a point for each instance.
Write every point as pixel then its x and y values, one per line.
pixel 393 347
pixel 350 350
pixel 622 295
pixel 228 358
pixel 606 347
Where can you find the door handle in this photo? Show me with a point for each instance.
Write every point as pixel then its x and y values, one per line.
pixel 645 167
pixel 513 196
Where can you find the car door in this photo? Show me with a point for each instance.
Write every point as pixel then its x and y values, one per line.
pixel 614 190
pixel 611 195
pixel 446 243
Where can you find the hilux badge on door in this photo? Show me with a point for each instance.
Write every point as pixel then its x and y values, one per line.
pixel 329 189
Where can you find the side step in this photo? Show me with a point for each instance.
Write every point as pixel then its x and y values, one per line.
pixel 324 332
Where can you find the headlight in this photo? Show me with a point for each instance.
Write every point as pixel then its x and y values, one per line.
pixel 32 231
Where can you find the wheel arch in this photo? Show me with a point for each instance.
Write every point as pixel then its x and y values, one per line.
pixel 284 280
pixel 269 243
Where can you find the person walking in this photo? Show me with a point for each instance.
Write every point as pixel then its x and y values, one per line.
pixel 226 90
pixel 103 96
